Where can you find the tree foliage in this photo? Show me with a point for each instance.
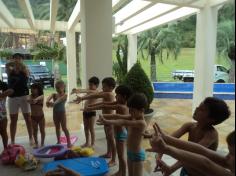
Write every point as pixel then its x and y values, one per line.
pixel 42 51
pixel 139 82
pixel 120 67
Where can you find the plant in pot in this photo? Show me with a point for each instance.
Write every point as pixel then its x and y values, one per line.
pixel 139 82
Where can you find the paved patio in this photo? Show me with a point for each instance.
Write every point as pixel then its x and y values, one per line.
pixel 170 114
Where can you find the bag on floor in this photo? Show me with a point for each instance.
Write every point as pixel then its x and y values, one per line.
pixel 10 154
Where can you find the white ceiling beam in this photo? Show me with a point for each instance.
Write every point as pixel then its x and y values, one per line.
pixel 27 11
pixel 44 25
pixel 53 13
pixel 118 5
pixel 75 16
pixel 158 16
pixel 192 4
pixel 138 12
pixel 6 15
pixel 217 2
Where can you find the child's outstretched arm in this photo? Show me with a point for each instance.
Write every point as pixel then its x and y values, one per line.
pixel 193 147
pixel 93 96
pixel 101 107
pixel 61 99
pixel 116 117
pixel 82 91
pixel 6 93
pixel 192 160
pixel 122 122
pixel 49 99
pixel 102 103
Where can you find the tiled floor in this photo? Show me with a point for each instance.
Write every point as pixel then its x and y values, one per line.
pixel 170 114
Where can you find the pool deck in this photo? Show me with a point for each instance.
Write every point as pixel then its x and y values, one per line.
pixel 170 114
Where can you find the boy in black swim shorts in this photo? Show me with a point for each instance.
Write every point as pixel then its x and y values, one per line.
pixel 89 117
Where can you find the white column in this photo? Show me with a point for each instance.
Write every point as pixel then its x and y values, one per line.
pixel 96 35
pixel 132 50
pixel 205 54
pixel 71 62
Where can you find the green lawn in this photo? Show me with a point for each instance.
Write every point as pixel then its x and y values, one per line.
pixel 185 61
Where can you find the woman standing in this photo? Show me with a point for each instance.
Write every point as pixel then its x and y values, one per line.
pixel 18 76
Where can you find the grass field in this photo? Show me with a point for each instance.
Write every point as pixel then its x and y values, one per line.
pixel 185 61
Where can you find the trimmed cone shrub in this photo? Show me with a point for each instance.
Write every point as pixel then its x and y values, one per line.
pixel 139 82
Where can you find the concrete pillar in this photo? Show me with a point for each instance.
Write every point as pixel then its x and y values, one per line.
pixel 96 35
pixel 205 54
pixel 132 50
pixel 71 62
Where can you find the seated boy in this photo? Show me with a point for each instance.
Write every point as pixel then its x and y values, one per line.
pixel 89 117
pixel 136 125
pixel 4 92
pixel 108 85
pixel 123 93
pixel 205 161
pixel 211 112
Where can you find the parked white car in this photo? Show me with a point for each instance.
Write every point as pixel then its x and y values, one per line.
pixel 221 75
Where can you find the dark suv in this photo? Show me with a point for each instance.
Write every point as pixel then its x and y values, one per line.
pixel 41 74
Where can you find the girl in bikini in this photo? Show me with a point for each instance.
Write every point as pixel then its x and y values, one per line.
pixel 36 101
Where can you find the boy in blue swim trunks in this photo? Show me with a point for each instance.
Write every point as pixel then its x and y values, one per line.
pixel 123 93
pixel 136 125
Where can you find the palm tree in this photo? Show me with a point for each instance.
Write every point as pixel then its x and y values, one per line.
pixel 158 42
pixel 120 67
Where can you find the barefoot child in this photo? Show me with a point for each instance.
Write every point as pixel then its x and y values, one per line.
pixel 37 115
pixel 136 125
pixel 4 92
pixel 123 93
pixel 108 85
pixel 211 112
pixel 192 155
pixel 89 117
pixel 58 101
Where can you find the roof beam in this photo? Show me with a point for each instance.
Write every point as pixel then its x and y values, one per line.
pixel 217 2
pixel 43 25
pixel 27 11
pixel 75 16
pixel 53 13
pixel 158 16
pixel 192 4
pixel 117 6
pixel 138 12
pixel 6 15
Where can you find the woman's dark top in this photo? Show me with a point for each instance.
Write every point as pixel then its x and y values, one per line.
pixel 19 83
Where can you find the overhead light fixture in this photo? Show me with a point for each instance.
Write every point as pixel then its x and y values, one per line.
pixel 115 2
pixel 177 14
pixel 130 9
pixel 144 16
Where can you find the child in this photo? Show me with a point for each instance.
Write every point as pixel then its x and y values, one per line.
pixel 136 125
pixel 123 93
pixel 59 111
pixel 4 92
pixel 37 115
pixel 192 155
pixel 89 117
pixel 211 112
pixel 108 85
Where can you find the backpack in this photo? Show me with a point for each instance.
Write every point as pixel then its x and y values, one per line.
pixel 10 154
